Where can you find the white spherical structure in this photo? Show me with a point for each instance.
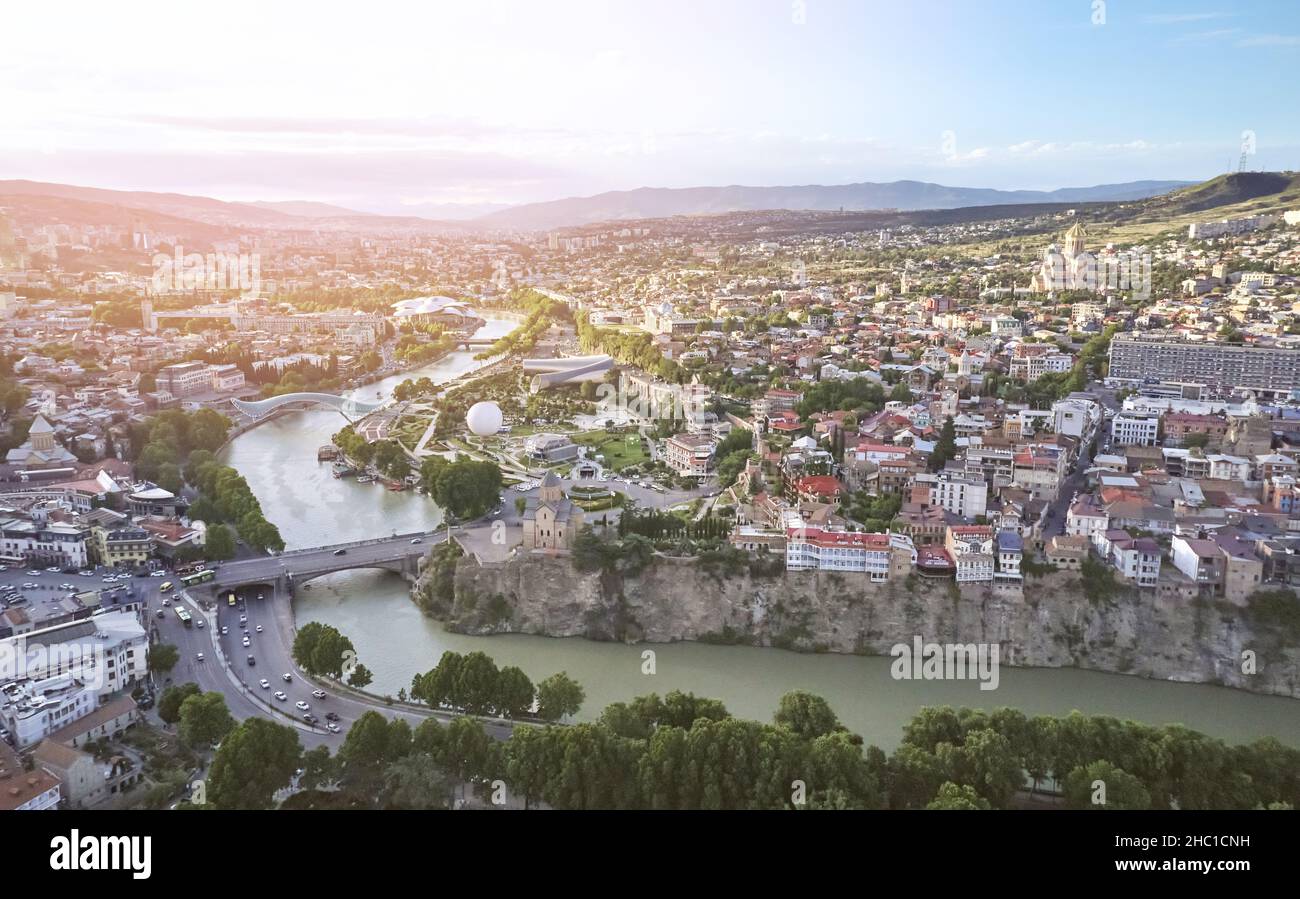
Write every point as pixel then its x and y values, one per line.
pixel 484 419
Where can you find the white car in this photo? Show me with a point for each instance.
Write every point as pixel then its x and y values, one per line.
pixel 333 728
pixel 199 656
pixel 224 631
pixel 157 574
pixel 319 694
pixel 259 628
pixel 264 684
pixel 303 706
pixel 199 624
pixel 247 642
pixel 281 695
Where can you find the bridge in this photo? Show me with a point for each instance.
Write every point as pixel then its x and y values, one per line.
pixel 295 567
pixel 349 407
pixel 475 343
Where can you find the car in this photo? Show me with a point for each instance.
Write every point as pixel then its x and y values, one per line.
pixel 416 540
pixel 252 661
pixel 331 716
pixel 200 624
pixel 310 719
pixel 34 573
pixel 198 656
pixel 161 613
pixel 281 695
pixel 340 552
pixel 333 728
pixel 261 596
pixel 319 694
pixel 224 630
pixel 243 619
pixel 55 569
pixel 259 628
pixel 303 706
pixel 264 684
pixel 286 677
pixel 157 574
pixel 166 601
pixel 247 642
pixel 86 573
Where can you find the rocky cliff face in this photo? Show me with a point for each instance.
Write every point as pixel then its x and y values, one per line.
pixel 1051 623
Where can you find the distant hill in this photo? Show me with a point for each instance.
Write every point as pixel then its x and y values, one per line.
pixel 305 208
pixel 652 202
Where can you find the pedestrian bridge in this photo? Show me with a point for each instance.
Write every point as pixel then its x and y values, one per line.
pixel 349 407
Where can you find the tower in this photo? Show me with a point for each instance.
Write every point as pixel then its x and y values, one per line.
pixel 1074 241
pixel 147 320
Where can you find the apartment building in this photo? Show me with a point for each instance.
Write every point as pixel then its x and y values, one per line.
pixel 689 454
pixel 1135 429
pixel 1264 369
pixel 31 710
pixel 881 556
pixel 184 379
pixel 954 491
pixel 972 548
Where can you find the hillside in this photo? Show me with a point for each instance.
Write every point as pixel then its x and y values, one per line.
pixel 648 202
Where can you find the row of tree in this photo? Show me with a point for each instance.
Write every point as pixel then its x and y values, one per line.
pixel 225 497
pixel 474 684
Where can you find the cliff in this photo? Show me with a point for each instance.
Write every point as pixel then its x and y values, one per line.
pixel 1051 623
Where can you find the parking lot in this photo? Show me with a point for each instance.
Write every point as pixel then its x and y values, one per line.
pixel 32 588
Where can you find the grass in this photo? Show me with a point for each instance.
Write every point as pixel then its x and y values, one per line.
pixel 620 450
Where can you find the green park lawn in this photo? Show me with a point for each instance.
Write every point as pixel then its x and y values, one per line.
pixel 619 450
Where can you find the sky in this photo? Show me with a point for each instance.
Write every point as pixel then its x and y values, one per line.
pixel 427 107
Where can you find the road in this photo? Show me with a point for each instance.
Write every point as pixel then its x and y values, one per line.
pixel 271 648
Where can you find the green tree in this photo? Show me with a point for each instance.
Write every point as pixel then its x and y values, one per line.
pixel 169 704
pixel 806 714
pixel 1122 790
pixel 219 544
pixel 204 719
pixel 257 758
pixel 163 658
pixel 960 798
pixel 559 695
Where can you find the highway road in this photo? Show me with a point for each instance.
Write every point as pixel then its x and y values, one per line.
pixel 268 568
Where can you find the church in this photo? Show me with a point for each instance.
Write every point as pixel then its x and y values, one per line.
pixel 41 450
pixel 551 520
pixel 1071 269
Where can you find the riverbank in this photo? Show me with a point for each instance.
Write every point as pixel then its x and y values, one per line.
pixel 1051 624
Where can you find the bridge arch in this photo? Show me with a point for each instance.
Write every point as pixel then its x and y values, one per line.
pixel 349 407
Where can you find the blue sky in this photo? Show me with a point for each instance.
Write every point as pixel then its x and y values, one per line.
pixel 400 107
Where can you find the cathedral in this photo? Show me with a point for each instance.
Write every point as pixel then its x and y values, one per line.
pixel 1072 268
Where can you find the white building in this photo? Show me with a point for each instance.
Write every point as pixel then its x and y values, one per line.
pixel 828 549
pixel 955 492
pixel 1135 429
pixel 31 710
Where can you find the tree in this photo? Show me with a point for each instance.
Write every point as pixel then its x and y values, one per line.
pixel 415 782
pixel 807 715
pixel 514 692
pixel 257 758
pixel 321 650
pixel 163 658
pixel 205 719
pixel 559 695
pixel 319 768
pixel 945 449
pixel 169 704
pixel 360 677
pixel 953 797
pixel 219 544
pixel 1122 790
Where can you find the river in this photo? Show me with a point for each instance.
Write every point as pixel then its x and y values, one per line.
pixel 395 641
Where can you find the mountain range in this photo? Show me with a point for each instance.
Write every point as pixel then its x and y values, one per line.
pixel 72 204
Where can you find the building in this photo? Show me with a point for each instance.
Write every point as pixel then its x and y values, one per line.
pixel 1137 559
pixel 31 710
pixel 880 556
pixel 1263 369
pixel 26 791
pixel 1011 551
pixel 86 783
pixel 58 543
pixel 1135 428
pixel 184 379
pixel 1201 561
pixel 40 449
pixel 551 520
pixel 690 455
pixel 972 548
pixel 953 491
pixel 550 448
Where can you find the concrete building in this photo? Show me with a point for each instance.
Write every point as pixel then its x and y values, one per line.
pixel 690 454
pixel 953 491
pixel 1135 429
pixel 881 556
pixel 1262 369
pixel 26 791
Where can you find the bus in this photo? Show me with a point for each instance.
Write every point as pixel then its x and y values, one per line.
pixel 184 617
pixel 165 587
pixel 230 600
pixel 198 577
